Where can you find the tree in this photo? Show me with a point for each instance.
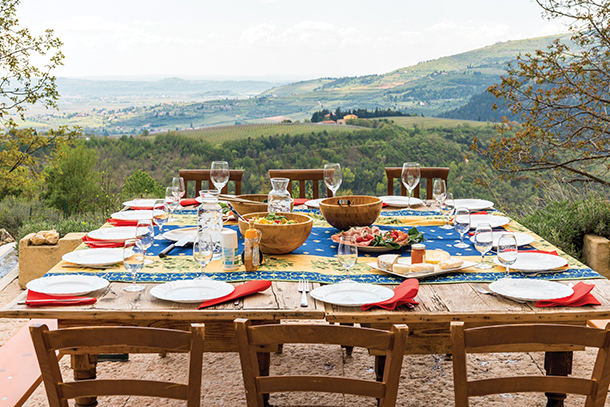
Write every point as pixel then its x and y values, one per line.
pixel 140 185
pixel 561 97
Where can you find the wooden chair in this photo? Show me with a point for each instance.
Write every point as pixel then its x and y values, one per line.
pixel 501 338
pixel 313 175
pixel 250 339
pixel 427 173
pixel 91 340
pixel 204 175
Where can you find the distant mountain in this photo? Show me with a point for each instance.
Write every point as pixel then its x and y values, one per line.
pixel 479 108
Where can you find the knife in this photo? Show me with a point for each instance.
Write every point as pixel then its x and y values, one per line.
pixel 180 243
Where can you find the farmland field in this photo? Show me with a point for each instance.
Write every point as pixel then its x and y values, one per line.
pixel 429 122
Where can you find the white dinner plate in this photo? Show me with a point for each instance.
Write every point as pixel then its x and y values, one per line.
pixel 535 262
pixel 400 201
pixel 69 284
pixel 471 204
pixel 177 234
pixel 493 220
pixel 522 238
pixel 314 203
pixel 530 290
pixel 95 257
pixel 141 203
pixel 134 215
pixel 352 294
pixel 422 274
pixel 116 233
pixel 191 291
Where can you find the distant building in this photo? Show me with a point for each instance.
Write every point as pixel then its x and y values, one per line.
pixel 329 122
pixel 341 121
pixel 350 116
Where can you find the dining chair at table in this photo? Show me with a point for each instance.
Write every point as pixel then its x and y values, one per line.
pixel 427 173
pixel 200 176
pixel 503 338
pixel 95 340
pixel 316 176
pixel 250 339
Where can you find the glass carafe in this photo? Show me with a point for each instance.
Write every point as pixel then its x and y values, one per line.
pixel 279 199
pixel 209 216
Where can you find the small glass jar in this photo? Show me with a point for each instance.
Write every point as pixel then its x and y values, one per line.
pixel 418 253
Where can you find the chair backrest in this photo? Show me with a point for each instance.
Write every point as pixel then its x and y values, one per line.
pixel 502 337
pixel 204 175
pixel 427 173
pixel 250 338
pixel 91 340
pixel 313 175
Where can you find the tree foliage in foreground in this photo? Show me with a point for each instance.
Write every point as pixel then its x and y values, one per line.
pixel 562 98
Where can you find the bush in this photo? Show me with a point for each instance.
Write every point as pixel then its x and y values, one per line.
pixel 142 185
pixel 14 212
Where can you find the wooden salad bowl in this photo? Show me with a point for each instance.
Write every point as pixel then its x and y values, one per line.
pixel 281 239
pixel 244 208
pixel 362 211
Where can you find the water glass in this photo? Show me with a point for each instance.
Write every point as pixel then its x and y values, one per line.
pixel 219 174
pixel 507 250
pixel 333 177
pixel 461 224
pixel 439 191
pixel 133 261
pixel 483 242
pixel 410 178
pixel 171 201
pixel 160 216
pixel 347 254
pixel 447 207
pixel 179 189
pixel 145 235
pixel 203 250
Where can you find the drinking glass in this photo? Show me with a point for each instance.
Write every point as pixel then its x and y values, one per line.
pixel 410 178
pixel 507 250
pixel 178 184
pixel 483 241
pixel 439 191
pixel 171 201
pixel 203 250
pixel 347 254
pixel 133 261
pixel 447 207
pixel 145 235
pixel 461 224
pixel 333 177
pixel 160 216
pixel 219 174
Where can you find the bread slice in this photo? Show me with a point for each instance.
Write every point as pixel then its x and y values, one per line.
pixel 386 261
pixel 436 256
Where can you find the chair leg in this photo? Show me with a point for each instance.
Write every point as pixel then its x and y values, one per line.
pixel 348 349
pixel 264 362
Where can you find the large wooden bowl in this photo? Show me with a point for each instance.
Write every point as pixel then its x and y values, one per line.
pixel 363 211
pixel 243 208
pixel 281 239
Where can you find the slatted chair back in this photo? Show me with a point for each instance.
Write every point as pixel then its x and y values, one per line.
pixel 427 173
pixel 250 338
pixel 92 340
pixel 316 176
pixel 502 337
pixel 200 176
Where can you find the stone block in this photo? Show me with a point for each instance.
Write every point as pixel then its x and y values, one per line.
pixel 35 261
pixel 596 251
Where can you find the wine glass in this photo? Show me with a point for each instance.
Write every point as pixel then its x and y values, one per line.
pixel 333 177
pixel 483 241
pixel 410 178
pixel 219 174
pixel 447 207
pixel 171 202
pixel 178 184
pixel 439 192
pixel 461 224
pixel 145 235
pixel 133 261
pixel 203 250
pixel 160 216
pixel 347 254
pixel 507 250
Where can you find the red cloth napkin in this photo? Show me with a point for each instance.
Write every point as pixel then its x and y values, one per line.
pixel 250 287
pixel 480 213
pixel 97 243
pixel 383 204
pixel 403 294
pixel 582 296
pixel 36 299
pixel 188 202
pixel 553 252
pixel 300 201
pixel 122 222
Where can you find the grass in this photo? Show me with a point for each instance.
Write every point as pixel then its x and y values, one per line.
pixel 428 122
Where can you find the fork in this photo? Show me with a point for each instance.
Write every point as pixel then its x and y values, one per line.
pixel 303 289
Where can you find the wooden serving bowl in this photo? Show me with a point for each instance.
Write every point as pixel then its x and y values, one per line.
pixel 280 239
pixel 363 211
pixel 243 208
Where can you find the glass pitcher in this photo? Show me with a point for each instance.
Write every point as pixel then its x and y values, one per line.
pixel 279 198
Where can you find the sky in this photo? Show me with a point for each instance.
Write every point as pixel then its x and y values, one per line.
pixel 272 39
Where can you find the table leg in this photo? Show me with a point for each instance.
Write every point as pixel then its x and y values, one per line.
pixel 557 364
pixel 84 367
pixel 264 362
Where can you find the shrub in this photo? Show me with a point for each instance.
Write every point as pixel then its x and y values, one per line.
pixel 142 185
pixel 14 212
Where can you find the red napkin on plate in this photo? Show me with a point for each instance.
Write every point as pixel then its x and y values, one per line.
pixel 188 202
pixel 36 299
pixel 403 294
pixel 480 213
pixel 553 252
pixel 383 204
pixel 122 222
pixel 300 201
pixel 582 296
pixel 250 287
pixel 97 243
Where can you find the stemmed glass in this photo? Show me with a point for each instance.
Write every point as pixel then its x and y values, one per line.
pixel 461 224
pixel 145 235
pixel 219 174
pixel 160 216
pixel 507 250
pixel 333 177
pixel 347 254
pixel 203 250
pixel 133 261
pixel 483 241
pixel 171 202
pixel 178 184
pixel 439 192
pixel 410 178
pixel 447 207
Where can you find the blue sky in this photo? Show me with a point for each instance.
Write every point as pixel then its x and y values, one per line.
pixel 290 39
